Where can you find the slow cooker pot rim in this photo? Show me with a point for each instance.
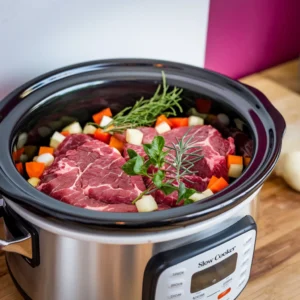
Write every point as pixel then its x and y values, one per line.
pixel 228 198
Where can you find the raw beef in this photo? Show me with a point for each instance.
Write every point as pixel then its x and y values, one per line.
pixel 88 174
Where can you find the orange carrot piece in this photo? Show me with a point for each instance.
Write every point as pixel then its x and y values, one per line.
pixel 46 150
pixel 102 136
pixel 179 122
pixel 35 169
pixel 247 161
pixel 17 154
pixel 98 116
pixel 234 160
pixel 114 142
pixel 161 119
pixel 212 181
pixel 219 185
pixel 65 133
pixel 19 167
pixel 203 105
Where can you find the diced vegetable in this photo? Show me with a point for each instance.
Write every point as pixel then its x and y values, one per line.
pixel 179 122
pixel 194 120
pixel 44 131
pixel 162 127
pixel 23 158
pixel 46 150
pixel 35 158
pixel 102 136
pixel 235 160
pixel 134 136
pixel 55 125
pixel 219 185
pixel 67 120
pixel 73 128
pixel 146 204
pixel 34 181
pixel 22 140
pixel 98 117
pixel 89 129
pixel 203 105
pixel 65 133
pixel 45 158
pixel 17 154
pixel 193 112
pixel 30 151
pixel 247 161
pixel 201 196
pixel 115 143
pixel 56 139
pixel 35 169
pixel 239 124
pixel 105 121
pixel 222 118
pixel 19 167
pixel 235 171
pixel 161 119
pixel 212 181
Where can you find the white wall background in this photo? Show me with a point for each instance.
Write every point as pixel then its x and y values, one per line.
pixel 37 36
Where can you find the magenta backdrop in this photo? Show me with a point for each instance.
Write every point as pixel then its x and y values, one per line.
pixel 246 36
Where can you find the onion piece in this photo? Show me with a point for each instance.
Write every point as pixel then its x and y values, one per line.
pixel 162 128
pixel 146 204
pixel 89 129
pixel 194 120
pixel 34 181
pixel 235 170
pixel 134 136
pixel 105 121
pixel 56 139
pixel 45 158
pixel 73 128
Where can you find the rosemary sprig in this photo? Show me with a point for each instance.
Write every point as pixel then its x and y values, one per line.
pixel 170 166
pixel 145 111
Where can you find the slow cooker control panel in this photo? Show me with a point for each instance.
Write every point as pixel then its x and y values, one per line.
pixel 215 268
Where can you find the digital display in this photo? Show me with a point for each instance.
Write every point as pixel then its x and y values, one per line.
pixel 212 275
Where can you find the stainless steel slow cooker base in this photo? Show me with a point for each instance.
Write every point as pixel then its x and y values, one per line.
pixel 83 267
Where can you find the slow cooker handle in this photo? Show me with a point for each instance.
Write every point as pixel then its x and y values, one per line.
pixel 278 119
pixel 23 244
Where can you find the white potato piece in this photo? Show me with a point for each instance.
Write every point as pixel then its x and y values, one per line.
pixel 223 119
pixel 235 170
pixel 291 170
pixel 162 128
pixel 34 181
pixel 56 139
pixel 22 140
pixel 134 136
pixel 45 158
pixel 194 120
pixel 73 128
pixel 105 121
pixel 201 196
pixel 146 204
pixel 89 129
pixel 208 192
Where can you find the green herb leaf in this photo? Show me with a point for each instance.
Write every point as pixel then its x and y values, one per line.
pixel 184 194
pixel 181 191
pixel 131 153
pixel 128 167
pixel 158 178
pixel 167 188
pixel 138 166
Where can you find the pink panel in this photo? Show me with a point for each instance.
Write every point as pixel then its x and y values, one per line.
pixel 246 36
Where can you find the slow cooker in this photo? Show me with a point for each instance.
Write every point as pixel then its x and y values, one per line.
pixel 198 251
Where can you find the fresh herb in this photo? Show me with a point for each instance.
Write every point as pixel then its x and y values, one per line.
pixel 168 168
pixel 145 111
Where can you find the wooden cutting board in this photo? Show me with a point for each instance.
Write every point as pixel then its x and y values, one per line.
pixel 275 273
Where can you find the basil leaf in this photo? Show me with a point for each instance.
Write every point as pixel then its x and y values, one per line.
pixel 158 143
pixel 131 153
pixel 128 167
pixel 188 193
pixel 158 178
pixel 187 201
pixel 167 188
pixel 138 166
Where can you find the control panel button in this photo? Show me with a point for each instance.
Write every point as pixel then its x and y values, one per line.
pixel 176 295
pixel 198 297
pixel 220 296
pixel 176 283
pixel 178 272
pixel 242 281
pixel 243 272
pixel 246 260
pixel 247 240
pixel 247 251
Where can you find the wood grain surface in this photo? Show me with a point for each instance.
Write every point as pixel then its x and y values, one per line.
pixel 275 273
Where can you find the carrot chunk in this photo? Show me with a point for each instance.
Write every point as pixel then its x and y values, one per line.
pixel 247 161
pixel 19 167
pixel 212 181
pixel 98 116
pixel 46 150
pixel 17 154
pixel 114 142
pixel 35 169
pixel 161 119
pixel 219 185
pixel 203 105
pixel 65 133
pixel 179 122
pixel 234 160
pixel 102 136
